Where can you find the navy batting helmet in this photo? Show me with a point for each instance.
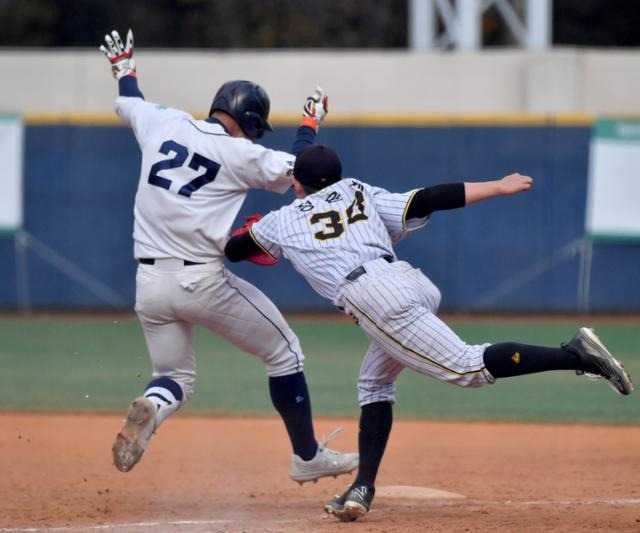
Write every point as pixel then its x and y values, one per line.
pixel 247 103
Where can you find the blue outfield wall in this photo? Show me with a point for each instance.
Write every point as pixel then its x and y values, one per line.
pixel 506 254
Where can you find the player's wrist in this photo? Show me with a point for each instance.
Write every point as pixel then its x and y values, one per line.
pixel 309 122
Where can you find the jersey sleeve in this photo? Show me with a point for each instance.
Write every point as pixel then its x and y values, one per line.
pixel 145 117
pixel 268 169
pixel 392 209
pixel 266 234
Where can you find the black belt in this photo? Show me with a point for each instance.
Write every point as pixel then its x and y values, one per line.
pixel 357 272
pixel 148 261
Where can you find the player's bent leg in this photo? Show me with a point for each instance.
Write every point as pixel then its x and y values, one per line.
pixel 171 351
pixel 418 339
pixel 248 319
pixel 584 353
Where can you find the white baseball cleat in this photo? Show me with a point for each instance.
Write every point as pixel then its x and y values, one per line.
pixel 325 463
pixel 134 436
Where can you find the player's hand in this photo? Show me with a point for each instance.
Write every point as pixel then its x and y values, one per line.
pixel 514 183
pixel 315 109
pixel 119 55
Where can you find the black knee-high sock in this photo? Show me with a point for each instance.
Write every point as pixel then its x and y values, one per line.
pixel 290 397
pixel 375 426
pixel 507 359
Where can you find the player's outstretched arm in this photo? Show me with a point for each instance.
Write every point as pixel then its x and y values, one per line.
pixel 455 195
pixel 509 185
pixel 123 64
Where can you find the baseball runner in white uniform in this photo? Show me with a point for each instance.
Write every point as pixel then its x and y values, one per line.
pixel 194 178
pixel 339 235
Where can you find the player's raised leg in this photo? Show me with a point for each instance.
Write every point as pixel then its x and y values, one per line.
pixel 171 349
pixel 585 353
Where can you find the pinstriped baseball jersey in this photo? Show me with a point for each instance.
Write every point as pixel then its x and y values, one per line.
pixel 328 234
pixel 193 175
pixel 340 239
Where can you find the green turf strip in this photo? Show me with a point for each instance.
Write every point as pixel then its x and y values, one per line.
pixel 94 364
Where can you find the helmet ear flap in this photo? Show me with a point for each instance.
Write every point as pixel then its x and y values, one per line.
pixel 254 125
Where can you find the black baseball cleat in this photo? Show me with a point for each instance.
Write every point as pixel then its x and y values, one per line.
pixel 354 503
pixel 593 354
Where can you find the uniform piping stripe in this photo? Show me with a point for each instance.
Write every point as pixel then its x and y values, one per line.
pixel 406 208
pixel 208 132
pixel 260 245
pixel 409 350
pixel 268 320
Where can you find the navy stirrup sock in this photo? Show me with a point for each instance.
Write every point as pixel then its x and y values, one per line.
pixel 290 397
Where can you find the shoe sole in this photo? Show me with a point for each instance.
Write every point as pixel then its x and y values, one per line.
pixel 349 513
pixel 129 444
pixel 315 477
pixel 353 511
pixel 623 385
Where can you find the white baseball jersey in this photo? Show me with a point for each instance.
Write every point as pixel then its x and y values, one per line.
pixel 328 234
pixel 193 180
pixel 340 239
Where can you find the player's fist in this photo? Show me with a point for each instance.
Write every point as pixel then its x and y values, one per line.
pixel 515 183
pixel 315 109
pixel 119 55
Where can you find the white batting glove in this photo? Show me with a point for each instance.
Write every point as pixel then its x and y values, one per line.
pixel 315 109
pixel 119 55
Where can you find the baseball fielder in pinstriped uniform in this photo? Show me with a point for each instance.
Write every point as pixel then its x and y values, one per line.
pixel 339 235
pixel 193 180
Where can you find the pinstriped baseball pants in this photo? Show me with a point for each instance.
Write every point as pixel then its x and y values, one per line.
pixel 395 305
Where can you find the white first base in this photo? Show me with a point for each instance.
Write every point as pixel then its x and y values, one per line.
pixel 410 495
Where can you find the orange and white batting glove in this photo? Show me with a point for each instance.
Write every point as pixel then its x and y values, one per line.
pixel 315 109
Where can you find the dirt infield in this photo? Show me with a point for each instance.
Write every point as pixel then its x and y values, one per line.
pixel 231 474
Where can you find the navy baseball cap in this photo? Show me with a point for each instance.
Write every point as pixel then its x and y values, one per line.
pixel 317 166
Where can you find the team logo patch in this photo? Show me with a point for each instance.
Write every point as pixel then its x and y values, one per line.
pixel 516 357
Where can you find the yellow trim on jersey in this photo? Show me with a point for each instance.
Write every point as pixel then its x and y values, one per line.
pixel 406 208
pixel 253 237
pixel 411 352
pixel 357 119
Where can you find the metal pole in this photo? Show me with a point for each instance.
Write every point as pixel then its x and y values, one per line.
pixel 422 25
pixel 539 23
pixel 469 25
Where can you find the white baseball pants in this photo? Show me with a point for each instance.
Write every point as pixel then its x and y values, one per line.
pixel 172 298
